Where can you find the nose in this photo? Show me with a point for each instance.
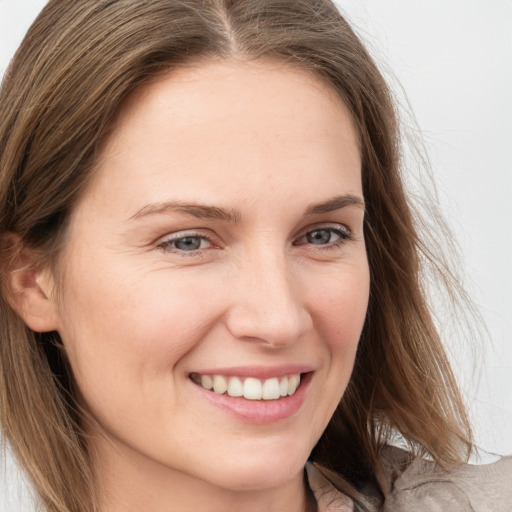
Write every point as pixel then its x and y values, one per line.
pixel 267 301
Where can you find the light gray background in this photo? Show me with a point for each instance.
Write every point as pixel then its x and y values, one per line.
pixel 454 60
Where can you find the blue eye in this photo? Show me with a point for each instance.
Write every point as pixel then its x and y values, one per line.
pixel 186 243
pixel 325 236
pixel 320 237
pixel 189 243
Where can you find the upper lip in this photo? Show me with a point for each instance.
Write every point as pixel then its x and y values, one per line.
pixel 261 372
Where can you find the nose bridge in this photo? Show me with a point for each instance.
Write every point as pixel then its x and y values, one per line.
pixel 268 304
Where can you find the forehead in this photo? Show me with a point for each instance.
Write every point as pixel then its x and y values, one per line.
pixel 240 91
pixel 230 123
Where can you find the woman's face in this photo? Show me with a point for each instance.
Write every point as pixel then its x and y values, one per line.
pixel 219 243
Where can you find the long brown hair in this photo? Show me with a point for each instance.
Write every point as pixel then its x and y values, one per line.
pixel 59 97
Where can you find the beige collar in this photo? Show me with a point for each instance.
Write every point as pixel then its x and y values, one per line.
pixel 328 498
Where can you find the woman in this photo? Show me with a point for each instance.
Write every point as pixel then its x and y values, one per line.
pixel 210 272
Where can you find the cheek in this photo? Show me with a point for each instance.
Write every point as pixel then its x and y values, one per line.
pixel 339 315
pixel 341 306
pixel 123 335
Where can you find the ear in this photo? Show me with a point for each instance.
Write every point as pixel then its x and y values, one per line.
pixel 30 291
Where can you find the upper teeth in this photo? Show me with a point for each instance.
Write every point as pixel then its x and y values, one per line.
pixel 250 388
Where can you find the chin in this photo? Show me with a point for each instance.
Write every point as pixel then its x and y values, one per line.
pixel 266 471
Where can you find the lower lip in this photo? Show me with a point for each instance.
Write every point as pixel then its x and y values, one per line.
pixel 259 411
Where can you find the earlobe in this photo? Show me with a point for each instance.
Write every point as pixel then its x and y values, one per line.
pixel 30 292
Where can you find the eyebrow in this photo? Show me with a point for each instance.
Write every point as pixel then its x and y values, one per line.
pixel 232 215
pixel 336 203
pixel 200 211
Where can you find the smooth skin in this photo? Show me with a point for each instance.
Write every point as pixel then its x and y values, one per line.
pixel 223 228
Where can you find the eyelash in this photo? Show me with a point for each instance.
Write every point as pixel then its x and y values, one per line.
pixel 344 236
pixel 166 245
pixel 343 233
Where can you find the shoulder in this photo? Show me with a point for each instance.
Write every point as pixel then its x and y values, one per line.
pixel 424 487
pixel 417 485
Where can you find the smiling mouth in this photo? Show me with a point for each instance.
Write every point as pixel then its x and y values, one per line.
pixel 250 388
